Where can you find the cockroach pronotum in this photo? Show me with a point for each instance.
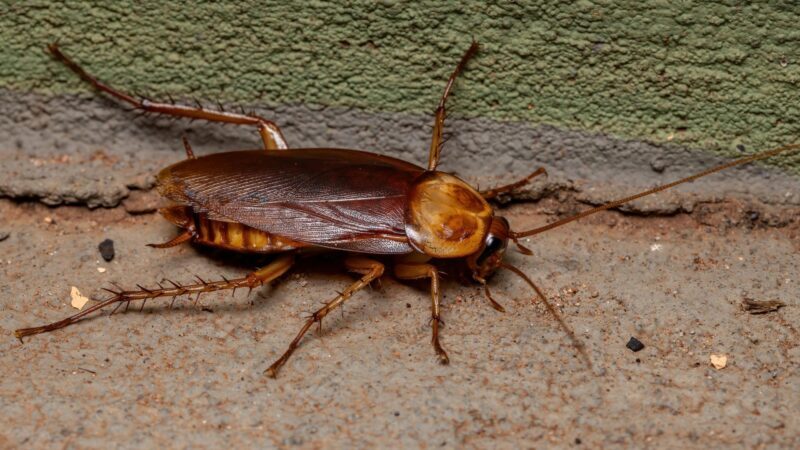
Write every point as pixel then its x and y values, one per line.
pixel 287 201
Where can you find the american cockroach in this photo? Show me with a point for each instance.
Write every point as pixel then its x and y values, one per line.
pixel 286 201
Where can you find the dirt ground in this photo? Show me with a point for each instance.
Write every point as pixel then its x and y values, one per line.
pixel 192 376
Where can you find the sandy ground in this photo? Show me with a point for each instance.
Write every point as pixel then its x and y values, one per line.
pixel 192 376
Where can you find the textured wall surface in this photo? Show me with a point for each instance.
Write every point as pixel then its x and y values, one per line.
pixel 709 75
pixel 610 97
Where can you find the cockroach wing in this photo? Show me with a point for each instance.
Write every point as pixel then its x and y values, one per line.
pixel 333 198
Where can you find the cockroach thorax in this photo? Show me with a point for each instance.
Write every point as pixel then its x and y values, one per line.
pixel 446 217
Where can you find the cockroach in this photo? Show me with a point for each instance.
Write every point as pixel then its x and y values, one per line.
pixel 285 201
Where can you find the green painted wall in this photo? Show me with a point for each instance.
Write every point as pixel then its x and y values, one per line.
pixel 705 74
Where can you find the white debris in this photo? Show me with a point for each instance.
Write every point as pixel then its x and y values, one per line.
pixel 719 361
pixel 78 300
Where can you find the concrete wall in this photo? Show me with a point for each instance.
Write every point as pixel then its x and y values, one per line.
pixel 698 77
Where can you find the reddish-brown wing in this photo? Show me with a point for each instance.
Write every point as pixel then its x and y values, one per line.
pixel 334 198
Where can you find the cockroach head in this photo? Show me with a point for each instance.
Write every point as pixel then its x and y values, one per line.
pixel 490 257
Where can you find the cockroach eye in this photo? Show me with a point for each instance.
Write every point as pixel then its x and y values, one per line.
pixel 493 244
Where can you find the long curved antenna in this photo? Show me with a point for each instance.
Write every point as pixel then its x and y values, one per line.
pixel 441 113
pixel 615 203
pixel 575 341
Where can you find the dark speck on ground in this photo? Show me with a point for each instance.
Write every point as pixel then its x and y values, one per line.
pixel 634 344
pixel 107 249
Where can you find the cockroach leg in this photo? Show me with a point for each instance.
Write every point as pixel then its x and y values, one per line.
pixel 188 147
pixel 371 270
pixel 177 240
pixel 264 275
pixel 441 112
pixel 405 271
pixel 493 193
pixel 521 248
pixel 488 294
pixel 269 131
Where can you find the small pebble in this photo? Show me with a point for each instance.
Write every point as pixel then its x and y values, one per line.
pixel 761 307
pixel 719 361
pixel 107 249
pixel 4 235
pixel 658 165
pixel 101 269
pixel 634 344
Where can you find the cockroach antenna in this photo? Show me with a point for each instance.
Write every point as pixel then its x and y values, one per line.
pixel 613 204
pixel 552 310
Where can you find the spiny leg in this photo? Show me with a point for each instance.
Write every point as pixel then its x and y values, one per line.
pixel 184 218
pixel 188 147
pixel 441 113
pixel 186 236
pixel 371 270
pixel 254 279
pixel 269 131
pixel 418 271
pixel 493 193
